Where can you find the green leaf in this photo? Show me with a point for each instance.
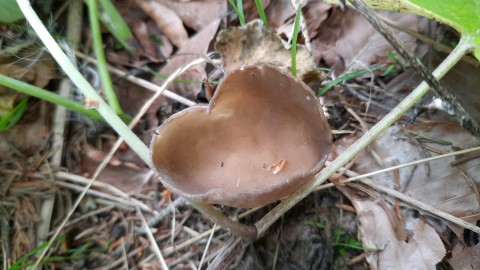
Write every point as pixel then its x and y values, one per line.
pixel 9 11
pixel 10 119
pixel 316 224
pixel 343 78
pixel 463 15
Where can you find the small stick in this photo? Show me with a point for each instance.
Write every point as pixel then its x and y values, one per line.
pixel 153 242
pixel 206 247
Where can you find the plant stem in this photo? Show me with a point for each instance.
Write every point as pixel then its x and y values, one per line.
pixel 101 59
pixel 261 12
pixel 296 26
pixel 237 228
pixel 48 96
pixel 263 224
pixel 67 66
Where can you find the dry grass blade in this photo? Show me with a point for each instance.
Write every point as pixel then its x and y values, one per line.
pixel 206 247
pixel 112 151
pixel 122 202
pixel 416 203
pixel 153 243
pixel 141 82
pixel 420 161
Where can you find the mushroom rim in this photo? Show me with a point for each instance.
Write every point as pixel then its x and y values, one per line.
pixel 219 195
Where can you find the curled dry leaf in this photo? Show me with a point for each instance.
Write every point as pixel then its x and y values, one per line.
pixel 258 115
pixel 378 230
pixel 254 44
pixel 347 42
pixel 448 184
pixel 194 48
pixel 197 14
pixel 140 30
pixel 278 12
pixel 166 20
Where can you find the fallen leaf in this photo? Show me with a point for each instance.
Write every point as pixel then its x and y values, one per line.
pixel 423 250
pixel 140 30
pixel 196 47
pixel 166 20
pixel 278 12
pixel 347 42
pixel 446 184
pixel 197 14
pixel 465 257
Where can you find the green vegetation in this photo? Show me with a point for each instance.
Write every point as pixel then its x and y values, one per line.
pixel 296 27
pixel 11 118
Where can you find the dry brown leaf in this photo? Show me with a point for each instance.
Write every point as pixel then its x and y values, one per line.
pixel 440 183
pixel 197 14
pixel 36 68
pixel 347 42
pixel 166 19
pixel 423 250
pixel 140 30
pixel 194 48
pixel 278 12
pixel 465 257
pixel 315 13
pixel 28 136
pixel 126 178
pixel 254 44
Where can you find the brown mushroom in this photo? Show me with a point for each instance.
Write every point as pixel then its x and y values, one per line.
pixel 262 136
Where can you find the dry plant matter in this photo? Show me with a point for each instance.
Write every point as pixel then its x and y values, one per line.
pixel 126 220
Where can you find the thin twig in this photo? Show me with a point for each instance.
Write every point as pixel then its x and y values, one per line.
pixel 117 144
pixel 117 200
pixel 418 204
pixel 153 243
pixel 413 163
pixel 207 246
pixel 141 82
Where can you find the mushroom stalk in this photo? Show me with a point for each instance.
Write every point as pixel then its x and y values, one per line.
pixel 245 231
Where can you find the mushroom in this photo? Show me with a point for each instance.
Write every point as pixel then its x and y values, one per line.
pixel 262 137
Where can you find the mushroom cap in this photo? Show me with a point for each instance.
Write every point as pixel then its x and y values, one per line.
pixel 262 136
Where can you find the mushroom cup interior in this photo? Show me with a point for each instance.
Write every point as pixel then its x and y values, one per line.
pixel 262 137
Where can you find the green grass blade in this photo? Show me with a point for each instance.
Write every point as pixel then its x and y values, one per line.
pixel 240 15
pixel 343 78
pixel 38 92
pixel 261 12
pixel 115 24
pixel 296 26
pixel 13 116
pixel 101 59
pixel 18 263
pixel 430 138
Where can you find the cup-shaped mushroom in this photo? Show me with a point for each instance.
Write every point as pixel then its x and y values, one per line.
pixel 262 136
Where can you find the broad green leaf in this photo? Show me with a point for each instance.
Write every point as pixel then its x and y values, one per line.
pixel 463 15
pixel 9 11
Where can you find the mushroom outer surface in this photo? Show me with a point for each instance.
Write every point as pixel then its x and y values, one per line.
pixel 262 137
